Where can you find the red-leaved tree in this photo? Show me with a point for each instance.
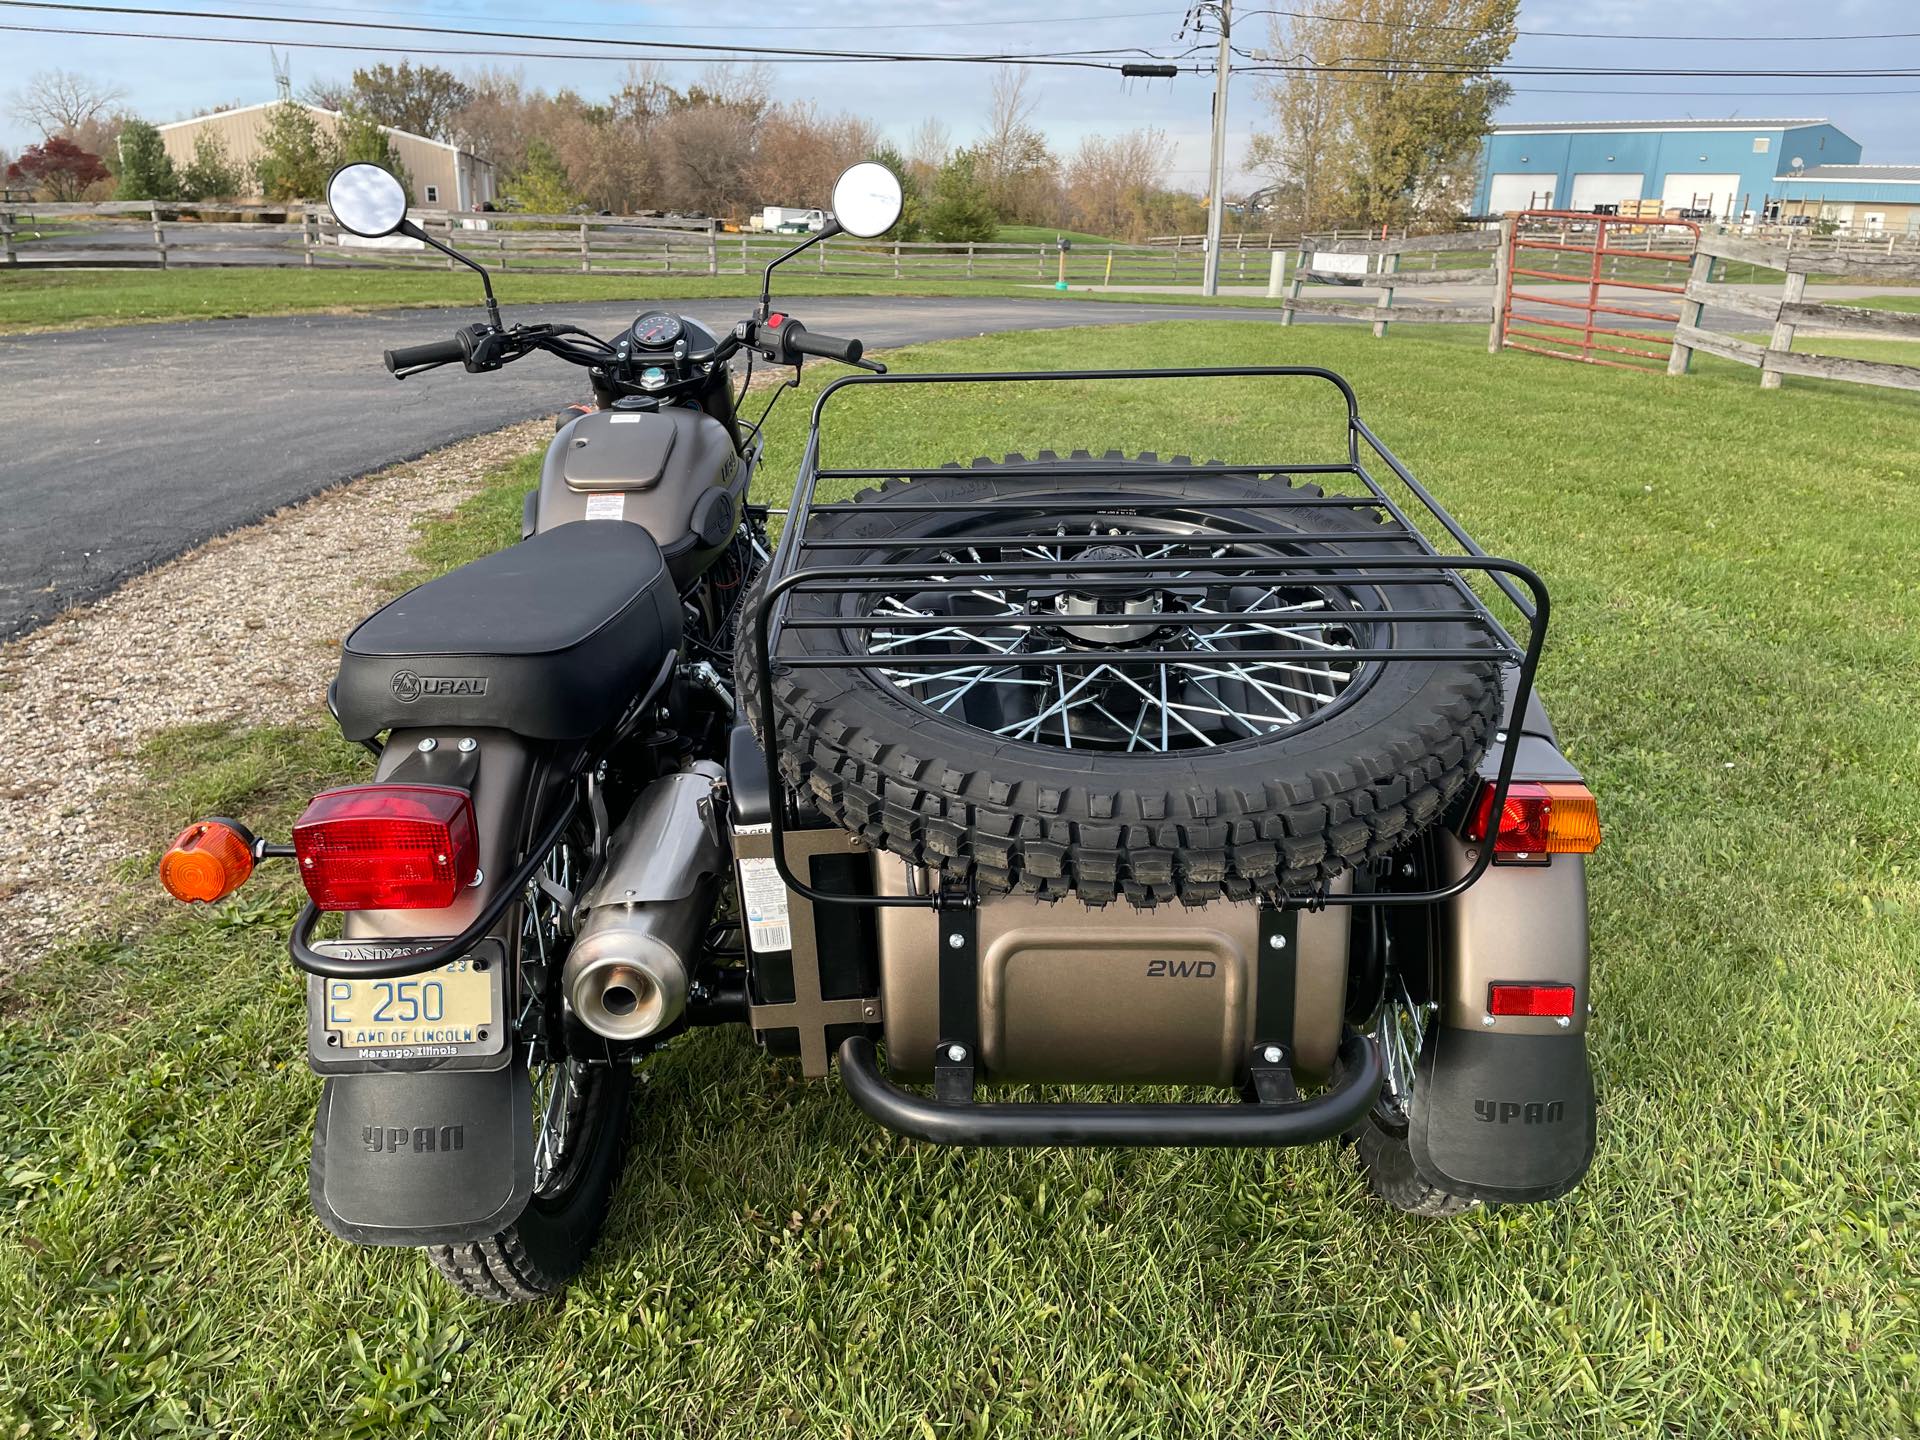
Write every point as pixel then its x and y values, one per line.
pixel 57 166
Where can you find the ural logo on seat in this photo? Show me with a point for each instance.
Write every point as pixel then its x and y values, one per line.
pixel 409 686
pixel 416 1140
pixel 1532 1112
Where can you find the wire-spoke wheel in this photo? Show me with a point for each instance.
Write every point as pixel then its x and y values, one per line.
pixel 579 1126
pixel 1109 695
pixel 1380 1140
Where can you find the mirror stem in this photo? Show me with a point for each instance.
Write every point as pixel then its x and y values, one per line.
pixel 825 232
pixel 413 231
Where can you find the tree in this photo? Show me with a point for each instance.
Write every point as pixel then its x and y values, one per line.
pixel 540 185
pixel 59 102
pixel 296 157
pixel 210 175
pixel 146 170
pixel 1017 170
pixel 59 167
pixel 928 149
pixel 1384 121
pixel 360 139
pixel 422 99
pixel 962 209
pixel 1111 182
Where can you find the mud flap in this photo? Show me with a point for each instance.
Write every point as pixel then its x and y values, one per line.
pixel 1505 1119
pixel 423 1158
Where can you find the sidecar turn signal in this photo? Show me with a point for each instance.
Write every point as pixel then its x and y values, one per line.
pixel 207 861
pixel 1538 820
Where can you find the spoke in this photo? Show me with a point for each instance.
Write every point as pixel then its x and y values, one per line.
pixel 1168 708
pixel 1242 675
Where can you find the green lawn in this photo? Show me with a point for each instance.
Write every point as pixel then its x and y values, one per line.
pixel 1047 234
pixel 1736 635
pixel 84 299
pixel 1890 302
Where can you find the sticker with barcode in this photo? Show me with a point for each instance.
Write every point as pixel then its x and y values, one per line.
pixel 763 901
pixel 607 507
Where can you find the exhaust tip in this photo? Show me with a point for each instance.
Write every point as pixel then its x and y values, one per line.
pixel 621 1000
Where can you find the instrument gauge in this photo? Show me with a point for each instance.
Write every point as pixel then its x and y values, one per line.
pixel 656 330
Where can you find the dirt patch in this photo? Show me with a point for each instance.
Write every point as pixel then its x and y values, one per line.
pixel 244 629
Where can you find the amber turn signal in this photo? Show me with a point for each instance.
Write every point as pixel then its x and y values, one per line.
pixel 208 861
pixel 1539 819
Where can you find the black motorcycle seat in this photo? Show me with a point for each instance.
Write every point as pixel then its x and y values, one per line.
pixel 551 639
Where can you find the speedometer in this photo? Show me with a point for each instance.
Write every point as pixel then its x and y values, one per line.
pixel 656 330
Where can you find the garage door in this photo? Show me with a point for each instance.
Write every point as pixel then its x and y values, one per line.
pixel 1604 188
pixel 1520 191
pixel 1718 193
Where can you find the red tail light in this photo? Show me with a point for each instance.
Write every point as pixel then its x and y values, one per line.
pixel 1539 820
pixel 387 847
pixel 1550 1001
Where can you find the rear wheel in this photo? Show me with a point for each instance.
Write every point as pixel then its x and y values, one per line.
pixel 579 1140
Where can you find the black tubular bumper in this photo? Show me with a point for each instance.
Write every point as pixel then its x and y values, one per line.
pixel 1299 1122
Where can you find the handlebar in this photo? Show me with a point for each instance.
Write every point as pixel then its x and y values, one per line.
pixel 434 352
pixel 826 347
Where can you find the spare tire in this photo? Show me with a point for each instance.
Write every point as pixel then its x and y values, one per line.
pixel 1193 778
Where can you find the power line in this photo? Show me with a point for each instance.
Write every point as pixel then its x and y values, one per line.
pixel 707 50
pixel 728 26
pixel 497 53
pixel 1582 34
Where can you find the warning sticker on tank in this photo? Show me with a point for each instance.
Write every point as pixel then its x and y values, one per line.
pixel 607 507
pixel 763 902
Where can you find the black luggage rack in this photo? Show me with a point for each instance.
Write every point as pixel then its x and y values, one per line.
pixel 804 561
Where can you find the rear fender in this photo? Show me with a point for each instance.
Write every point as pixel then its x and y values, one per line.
pixel 435 1158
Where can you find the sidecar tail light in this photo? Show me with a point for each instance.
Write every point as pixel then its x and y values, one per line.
pixel 387 847
pixel 207 861
pixel 1538 819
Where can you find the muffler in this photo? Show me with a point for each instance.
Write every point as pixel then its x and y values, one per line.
pixel 626 976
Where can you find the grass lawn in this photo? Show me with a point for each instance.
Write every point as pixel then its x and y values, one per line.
pixel 1735 643
pixel 1889 302
pixel 1047 234
pixel 85 299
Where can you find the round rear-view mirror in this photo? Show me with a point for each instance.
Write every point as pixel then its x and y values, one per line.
pixel 367 200
pixel 866 199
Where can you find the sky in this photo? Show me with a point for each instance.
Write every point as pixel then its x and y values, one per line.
pixel 168 80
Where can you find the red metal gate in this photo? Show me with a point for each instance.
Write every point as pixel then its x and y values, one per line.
pixel 1661 273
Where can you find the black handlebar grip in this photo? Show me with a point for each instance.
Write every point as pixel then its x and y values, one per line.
pixel 434 352
pixel 827 347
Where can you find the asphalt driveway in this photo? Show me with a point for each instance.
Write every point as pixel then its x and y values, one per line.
pixel 124 447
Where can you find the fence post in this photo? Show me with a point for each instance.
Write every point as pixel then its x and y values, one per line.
pixel 159 235
pixel 713 247
pixel 1794 292
pixel 8 219
pixel 1388 264
pixel 1276 274
pixel 1502 259
pixel 896 259
pixel 586 258
pixel 743 252
pixel 309 236
pixel 970 259
pixel 1293 289
pixel 1701 271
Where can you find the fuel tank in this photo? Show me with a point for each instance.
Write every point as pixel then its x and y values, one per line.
pixel 673 470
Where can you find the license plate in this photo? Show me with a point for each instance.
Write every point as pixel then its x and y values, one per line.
pixel 438 1015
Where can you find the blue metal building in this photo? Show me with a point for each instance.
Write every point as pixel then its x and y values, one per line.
pixel 1729 168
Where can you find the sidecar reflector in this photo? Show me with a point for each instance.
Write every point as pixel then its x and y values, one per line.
pixel 1550 1001
pixel 1539 819
pixel 387 847
pixel 207 861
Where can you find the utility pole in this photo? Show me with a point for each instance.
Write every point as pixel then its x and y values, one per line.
pixel 1217 174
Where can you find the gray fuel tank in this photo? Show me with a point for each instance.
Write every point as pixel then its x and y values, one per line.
pixel 674 471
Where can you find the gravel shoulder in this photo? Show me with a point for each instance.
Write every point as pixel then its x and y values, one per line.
pixel 243 630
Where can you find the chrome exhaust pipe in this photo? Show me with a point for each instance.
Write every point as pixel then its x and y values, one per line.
pixel 627 974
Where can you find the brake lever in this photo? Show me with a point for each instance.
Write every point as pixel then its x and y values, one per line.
pixel 874 365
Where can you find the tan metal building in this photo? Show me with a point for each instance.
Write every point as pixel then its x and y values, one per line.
pixel 444 176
